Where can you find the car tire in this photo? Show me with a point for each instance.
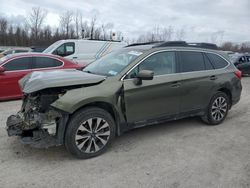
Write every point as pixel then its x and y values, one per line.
pixel 217 109
pixel 89 132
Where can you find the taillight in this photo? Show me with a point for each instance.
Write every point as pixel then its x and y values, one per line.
pixel 238 74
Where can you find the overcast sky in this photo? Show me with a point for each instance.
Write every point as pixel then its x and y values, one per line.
pixel 201 19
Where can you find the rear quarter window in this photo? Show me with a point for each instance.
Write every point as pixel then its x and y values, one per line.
pixel 217 61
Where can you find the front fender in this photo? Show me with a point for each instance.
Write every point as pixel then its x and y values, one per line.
pixel 77 98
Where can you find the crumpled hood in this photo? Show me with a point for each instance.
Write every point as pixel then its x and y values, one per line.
pixel 39 80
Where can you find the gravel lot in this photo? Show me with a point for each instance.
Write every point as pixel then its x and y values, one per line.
pixel 183 153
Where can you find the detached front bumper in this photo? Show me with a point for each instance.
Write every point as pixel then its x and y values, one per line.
pixel 36 137
pixel 13 125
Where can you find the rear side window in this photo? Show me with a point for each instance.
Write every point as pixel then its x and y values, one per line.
pixel 217 61
pixel 191 61
pixel 46 62
pixel 18 64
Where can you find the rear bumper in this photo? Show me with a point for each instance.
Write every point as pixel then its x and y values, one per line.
pixel 236 92
pixel 235 100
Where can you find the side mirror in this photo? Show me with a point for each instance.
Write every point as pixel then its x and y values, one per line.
pixel 2 69
pixel 143 75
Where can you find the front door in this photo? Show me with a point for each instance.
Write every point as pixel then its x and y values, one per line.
pixel 14 70
pixel 156 98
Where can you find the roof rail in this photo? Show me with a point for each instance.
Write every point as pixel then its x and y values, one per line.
pixel 185 44
pixel 144 43
pixel 204 45
pixel 108 40
pixel 172 43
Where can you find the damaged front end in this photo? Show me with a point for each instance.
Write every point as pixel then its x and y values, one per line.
pixel 38 123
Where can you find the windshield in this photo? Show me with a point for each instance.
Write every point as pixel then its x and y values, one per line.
pixel 51 47
pixel 113 63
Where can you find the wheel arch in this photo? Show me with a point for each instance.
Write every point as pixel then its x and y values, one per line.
pixel 105 106
pixel 228 93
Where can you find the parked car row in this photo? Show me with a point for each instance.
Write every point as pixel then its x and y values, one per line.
pixel 242 62
pixel 83 51
pixel 14 67
pixel 139 85
pixel 79 53
pixel 13 51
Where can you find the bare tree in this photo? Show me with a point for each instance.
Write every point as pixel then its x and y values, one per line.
pixel 167 33
pixel 3 30
pixel 65 23
pixel 92 26
pixel 157 34
pixel 180 34
pixel 35 20
pixel 105 29
pixel 217 37
pixel 77 20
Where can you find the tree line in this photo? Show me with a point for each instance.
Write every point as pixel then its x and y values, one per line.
pixel 33 32
pixel 170 33
pixel 72 25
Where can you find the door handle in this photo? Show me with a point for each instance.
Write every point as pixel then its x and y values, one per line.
pixel 74 57
pixel 213 77
pixel 175 84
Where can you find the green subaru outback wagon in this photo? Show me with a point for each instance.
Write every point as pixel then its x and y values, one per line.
pixel 142 84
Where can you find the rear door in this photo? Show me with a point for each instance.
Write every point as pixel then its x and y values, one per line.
pixel 156 98
pixel 14 70
pixel 198 80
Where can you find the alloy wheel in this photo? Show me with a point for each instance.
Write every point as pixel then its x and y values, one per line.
pixel 219 108
pixel 92 135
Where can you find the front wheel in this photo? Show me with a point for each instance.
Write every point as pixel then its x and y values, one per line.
pixel 89 132
pixel 217 109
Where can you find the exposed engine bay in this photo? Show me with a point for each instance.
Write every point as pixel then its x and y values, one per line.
pixel 37 120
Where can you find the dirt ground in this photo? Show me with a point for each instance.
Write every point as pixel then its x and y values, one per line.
pixel 183 153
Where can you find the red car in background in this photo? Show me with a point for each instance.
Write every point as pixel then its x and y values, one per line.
pixel 14 67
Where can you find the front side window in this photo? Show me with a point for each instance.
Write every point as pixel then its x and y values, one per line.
pixel 113 63
pixel 191 61
pixel 18 64
pixel 46 62
pixel 65 49
pixel 160 63
pixel 217 61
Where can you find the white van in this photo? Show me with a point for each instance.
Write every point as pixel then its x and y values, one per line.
pixel 83 51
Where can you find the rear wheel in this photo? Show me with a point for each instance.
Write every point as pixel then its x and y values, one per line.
pixel 217 109
pixel 89 132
